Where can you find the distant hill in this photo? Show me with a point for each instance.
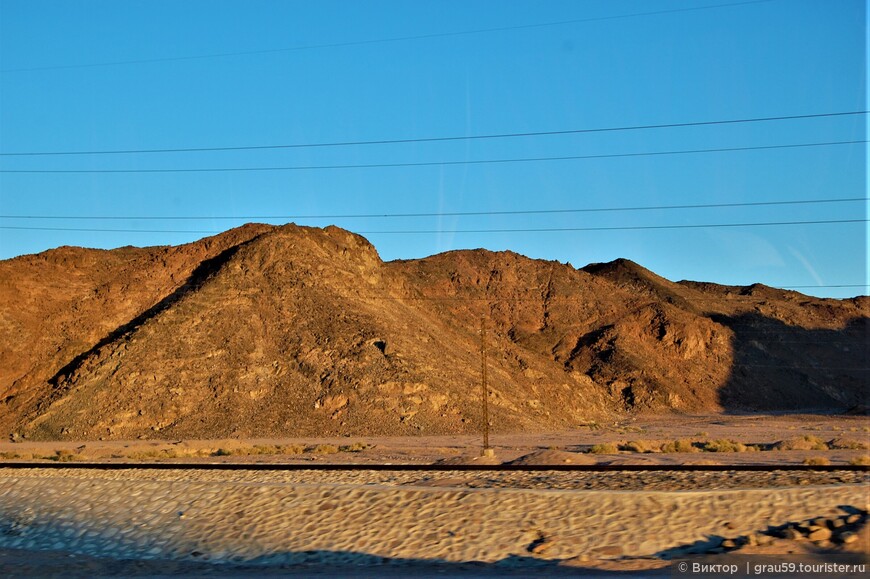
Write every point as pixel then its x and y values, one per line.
pixel 270 331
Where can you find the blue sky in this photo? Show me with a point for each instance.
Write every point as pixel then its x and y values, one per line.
pixel 314 77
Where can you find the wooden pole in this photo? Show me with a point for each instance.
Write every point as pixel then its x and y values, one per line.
pixel 484 387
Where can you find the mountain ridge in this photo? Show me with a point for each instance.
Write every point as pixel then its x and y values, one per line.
pixel 288 330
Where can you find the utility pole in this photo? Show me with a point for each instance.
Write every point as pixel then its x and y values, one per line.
pixel 487 451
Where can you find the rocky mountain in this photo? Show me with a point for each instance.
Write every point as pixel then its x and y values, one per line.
pixel 283 331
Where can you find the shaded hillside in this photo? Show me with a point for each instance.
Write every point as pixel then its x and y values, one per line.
pixel 296 331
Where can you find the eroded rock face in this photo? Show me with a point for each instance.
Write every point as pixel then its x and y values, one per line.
pixel 269 331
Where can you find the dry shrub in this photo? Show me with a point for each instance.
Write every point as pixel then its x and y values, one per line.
pixel 188 452
pixel 860 461
pixel 260 449
pixel 152 454
pixel 817 461
pixel 679 446
pixel 9 455
pixel 604 448
pixel 63 455
pixel 640 446
pixel 724 445
pixel 848 444
pixel 325 449
pixel 355 447
pixel 805 442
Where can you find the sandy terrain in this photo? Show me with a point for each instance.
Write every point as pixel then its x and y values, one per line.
pixel 762 430
pixel 430 524
pixel 87 523
pixel 189 518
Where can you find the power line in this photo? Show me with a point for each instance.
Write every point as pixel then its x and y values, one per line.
pixel 433 139
pixel 443 213
pixel 619 228
pixel 457 231
pixel 435 163
pixel 811 286
pixel 562 300
pixel 379 40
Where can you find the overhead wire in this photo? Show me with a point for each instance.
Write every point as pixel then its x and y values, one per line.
pixel 456 231
pixel 437 163
pixel 379 40
pixel 442 213
pixel 618 228
pixel 434 139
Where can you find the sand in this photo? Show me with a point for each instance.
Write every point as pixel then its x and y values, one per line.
pixel 174 517
pixel 151 522
pixel 749 429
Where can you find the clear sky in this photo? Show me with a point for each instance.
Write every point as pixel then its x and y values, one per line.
pixel 95 75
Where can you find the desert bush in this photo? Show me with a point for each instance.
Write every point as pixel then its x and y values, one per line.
pixel 679 446
pixel 640 446
pixel 63 455
pixel 860 461
pixel 848 444
pixel 604 448
pixel 355 447
pixel 153 454
pixel 805 442
pixel 258 449
pixel 817 461
pixel 325 449
pixel 9 455
pixel 724 445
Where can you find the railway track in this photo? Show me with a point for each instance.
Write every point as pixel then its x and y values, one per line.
pixel 603 468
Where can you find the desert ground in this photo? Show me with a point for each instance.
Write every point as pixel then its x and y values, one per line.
pixel 164 522
pixel 667 439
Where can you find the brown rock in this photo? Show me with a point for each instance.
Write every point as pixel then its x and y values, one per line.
pixel 847 537
pixel 542 546
pixel 764 539
pixel 608 551
pixel 819 534
pixel 244 333
pixel 752 539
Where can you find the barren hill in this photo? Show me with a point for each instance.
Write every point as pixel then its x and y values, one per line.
pixel 270 331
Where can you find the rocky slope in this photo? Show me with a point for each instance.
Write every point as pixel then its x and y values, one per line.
pixel 268 331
